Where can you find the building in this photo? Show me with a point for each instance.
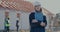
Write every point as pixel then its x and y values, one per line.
pixel 23 8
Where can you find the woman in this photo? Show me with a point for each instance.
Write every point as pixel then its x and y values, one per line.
pixel 37 20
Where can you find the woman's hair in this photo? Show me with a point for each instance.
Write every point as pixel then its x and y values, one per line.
pixel 40 9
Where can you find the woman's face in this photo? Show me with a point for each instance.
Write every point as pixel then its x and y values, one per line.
pixel 37 8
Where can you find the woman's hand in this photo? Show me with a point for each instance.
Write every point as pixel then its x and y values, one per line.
pixel 42 24
pixel 34 21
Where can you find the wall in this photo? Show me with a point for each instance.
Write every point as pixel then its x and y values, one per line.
pixel 24 21
pixel 1 19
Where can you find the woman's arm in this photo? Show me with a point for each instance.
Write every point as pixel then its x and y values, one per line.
pixel 45 21
pixel 31 18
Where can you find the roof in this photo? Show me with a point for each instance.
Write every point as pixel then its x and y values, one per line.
pixel 21 5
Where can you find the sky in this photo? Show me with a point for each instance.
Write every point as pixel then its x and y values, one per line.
pixel 51 5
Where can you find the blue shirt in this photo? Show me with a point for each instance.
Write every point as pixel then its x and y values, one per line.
pixel 39 16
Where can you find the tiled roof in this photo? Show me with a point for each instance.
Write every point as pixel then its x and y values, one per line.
pixel 18 5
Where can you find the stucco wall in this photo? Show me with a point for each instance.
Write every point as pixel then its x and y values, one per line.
pixel 24 21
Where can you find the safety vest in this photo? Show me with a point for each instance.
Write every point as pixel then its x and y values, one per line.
pixel 7 25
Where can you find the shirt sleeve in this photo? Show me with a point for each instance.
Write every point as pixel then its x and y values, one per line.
pixel 31 17
pixel 45 21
